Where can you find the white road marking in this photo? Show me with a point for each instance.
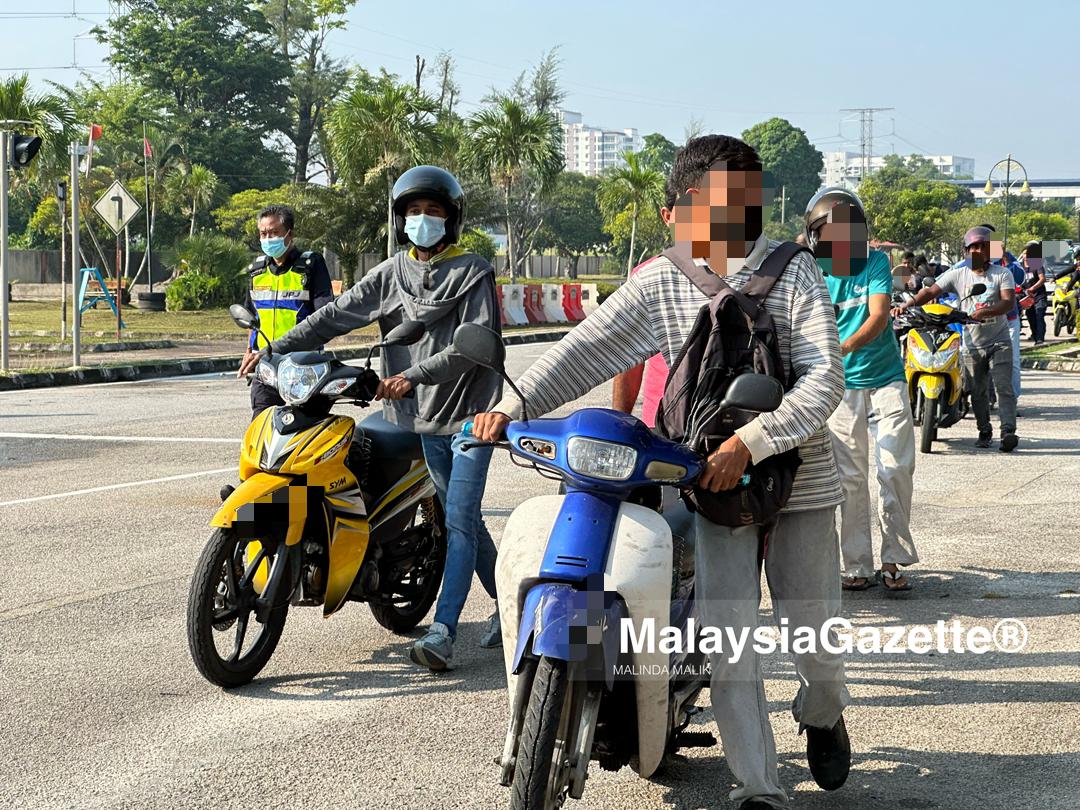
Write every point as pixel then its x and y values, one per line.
pixel 117 486
pixel 86 437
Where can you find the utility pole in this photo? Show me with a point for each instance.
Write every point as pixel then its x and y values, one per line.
pixel 61 200
pixel 5 148
pixel 866 139
pixel 76 260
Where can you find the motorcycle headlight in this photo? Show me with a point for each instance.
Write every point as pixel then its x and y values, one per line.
pixel 932 360
pixel 598 459
pixel 297 383
pixel 266 374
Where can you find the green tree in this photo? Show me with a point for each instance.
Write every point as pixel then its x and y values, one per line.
pixel 787 154
pixel 636 187
pixel 236 218
pixel 377 131
pixel 513 146
pixel 225 86
pixel 909 210
pixel 192 188
pixel 658 153
pixel 301 28
pixel 476 241
pixel 573 225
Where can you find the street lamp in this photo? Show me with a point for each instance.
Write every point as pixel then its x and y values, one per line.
pixel 1008 162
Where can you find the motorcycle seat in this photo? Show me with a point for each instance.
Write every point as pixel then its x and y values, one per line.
pixel 388 441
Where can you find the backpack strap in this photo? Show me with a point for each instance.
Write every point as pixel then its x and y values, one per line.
pixel 705 280
pixel 761 280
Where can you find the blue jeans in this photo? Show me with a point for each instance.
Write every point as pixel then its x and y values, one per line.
pixel 460 477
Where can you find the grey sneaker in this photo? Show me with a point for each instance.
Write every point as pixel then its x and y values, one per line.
pixel 435 650
pixel 493 635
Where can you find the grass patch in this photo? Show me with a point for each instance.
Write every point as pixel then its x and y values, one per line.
pixel 1048 351
pixel 35 316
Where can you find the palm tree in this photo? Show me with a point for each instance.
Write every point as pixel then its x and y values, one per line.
pixel 194 188
pixel 634 186
pixel 506 142
pixel 378 129
pixel 51 117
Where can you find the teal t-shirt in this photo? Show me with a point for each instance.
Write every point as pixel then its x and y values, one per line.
pixel 877 363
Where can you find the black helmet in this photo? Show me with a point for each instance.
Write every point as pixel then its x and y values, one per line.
pixel 435 184
pixel 817 210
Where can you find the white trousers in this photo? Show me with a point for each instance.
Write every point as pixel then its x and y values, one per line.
pixel 885 412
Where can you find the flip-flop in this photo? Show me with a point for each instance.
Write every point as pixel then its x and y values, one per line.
pixel 850 584
pixel 892 576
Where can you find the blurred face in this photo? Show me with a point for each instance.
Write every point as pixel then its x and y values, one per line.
pixel 720 219
pixel 842 247
pixel 997 251
pixel 979 254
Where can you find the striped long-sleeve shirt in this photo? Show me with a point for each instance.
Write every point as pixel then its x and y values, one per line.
pixel 655 310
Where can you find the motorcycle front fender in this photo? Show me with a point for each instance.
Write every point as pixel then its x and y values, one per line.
pixel 561 622
pixel 932 385
pixel 265 489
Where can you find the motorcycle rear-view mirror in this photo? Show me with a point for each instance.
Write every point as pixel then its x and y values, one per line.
pixel 481 345
pixel 928 283
pixel 754 392
pixel 243 317
pixel 405 333
pixel 976 289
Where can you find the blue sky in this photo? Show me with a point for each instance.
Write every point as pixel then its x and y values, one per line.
pixel 965 78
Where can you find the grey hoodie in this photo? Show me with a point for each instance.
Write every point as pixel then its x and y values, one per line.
pixel 455 288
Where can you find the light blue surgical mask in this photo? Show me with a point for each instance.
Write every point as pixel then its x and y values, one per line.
pixel 275 247
pixel 425 231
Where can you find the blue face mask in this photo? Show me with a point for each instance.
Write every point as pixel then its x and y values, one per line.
pixel 425 231
pixel 274 248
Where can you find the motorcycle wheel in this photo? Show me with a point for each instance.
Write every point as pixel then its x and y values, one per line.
pixel 1059 321
pixel 401 618
pixel 222 601
pixel 535 786
pixel 929 425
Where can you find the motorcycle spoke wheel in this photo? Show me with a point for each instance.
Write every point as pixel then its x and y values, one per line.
pixel 421 582
pixel 228 642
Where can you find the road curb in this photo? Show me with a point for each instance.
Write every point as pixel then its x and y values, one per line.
pixel 1067 366
pixel 197 365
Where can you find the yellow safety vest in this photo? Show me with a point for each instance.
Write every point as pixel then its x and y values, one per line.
pixel 281 301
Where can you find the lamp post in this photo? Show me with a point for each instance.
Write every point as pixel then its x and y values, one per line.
pixel 1008 163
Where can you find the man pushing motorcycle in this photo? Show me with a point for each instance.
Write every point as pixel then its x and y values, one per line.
pixel 714 206
pixel 429 388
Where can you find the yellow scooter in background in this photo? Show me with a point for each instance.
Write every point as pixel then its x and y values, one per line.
pixel 932 364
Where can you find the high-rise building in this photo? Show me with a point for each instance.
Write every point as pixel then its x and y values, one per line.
pixel 591 150
pixel 845 168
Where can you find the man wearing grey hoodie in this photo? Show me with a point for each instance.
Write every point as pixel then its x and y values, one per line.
pixel 443 286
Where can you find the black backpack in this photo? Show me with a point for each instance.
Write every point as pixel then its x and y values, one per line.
pixel 733 334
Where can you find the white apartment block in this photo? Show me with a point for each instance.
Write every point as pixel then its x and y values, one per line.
pixel 591 150
pixel 845 168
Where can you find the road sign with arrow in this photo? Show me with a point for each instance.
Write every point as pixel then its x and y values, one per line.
pixel 117 207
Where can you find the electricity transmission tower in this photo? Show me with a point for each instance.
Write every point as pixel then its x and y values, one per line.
pixel 866 120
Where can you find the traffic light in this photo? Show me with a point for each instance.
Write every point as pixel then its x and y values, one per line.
pixel 23 149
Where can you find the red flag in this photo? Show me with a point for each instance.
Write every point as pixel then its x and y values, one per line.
pixel 146 150
pixel 95 134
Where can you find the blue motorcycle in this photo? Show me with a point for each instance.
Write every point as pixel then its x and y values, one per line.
pixel 585 581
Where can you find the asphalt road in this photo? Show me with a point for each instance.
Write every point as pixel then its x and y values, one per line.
pixel 100 705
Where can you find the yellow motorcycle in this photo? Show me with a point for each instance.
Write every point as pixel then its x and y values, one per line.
pixel 935 377
pixel 327 512
pixel 1065 313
